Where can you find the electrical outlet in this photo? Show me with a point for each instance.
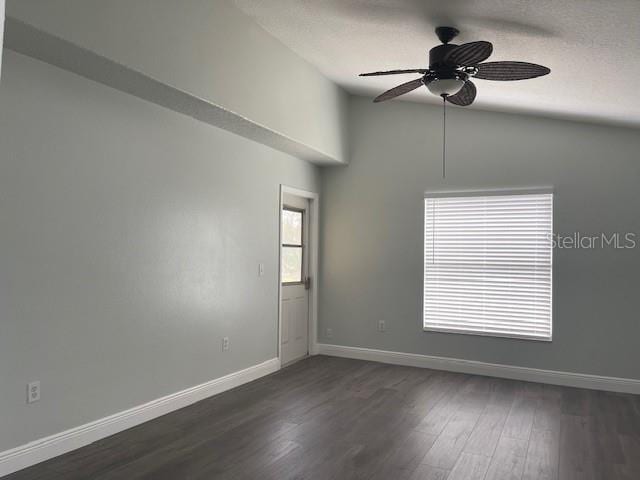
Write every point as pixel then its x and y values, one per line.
pixel 33 392
pixel 225 344
pixel 329 332
pixel 381 326
pixel 260 269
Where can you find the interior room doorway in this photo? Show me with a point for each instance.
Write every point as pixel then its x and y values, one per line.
pixel 298 266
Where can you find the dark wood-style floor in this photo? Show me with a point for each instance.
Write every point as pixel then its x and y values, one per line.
pixel 330 418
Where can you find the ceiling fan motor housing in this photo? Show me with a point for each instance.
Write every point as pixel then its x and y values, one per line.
pixel 437 56
pixel 443 78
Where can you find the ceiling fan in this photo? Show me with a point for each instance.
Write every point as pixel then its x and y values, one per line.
pixel 451 68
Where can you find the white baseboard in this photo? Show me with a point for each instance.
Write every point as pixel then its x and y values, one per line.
pixel 580 380
pixel 60 443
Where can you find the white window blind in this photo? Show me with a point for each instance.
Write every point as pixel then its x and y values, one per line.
pixel 488 264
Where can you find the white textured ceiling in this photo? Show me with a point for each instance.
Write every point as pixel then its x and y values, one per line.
pixel 591 46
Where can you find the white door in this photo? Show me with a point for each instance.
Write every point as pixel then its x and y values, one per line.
pixel 295 279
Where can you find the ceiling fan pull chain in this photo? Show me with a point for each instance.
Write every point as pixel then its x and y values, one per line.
pixel 444 134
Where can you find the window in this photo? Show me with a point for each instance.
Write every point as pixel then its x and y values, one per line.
pixel 488 263
pixel 292 251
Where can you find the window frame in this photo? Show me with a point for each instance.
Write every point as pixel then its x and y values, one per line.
pixel 486 193
pixel 302 213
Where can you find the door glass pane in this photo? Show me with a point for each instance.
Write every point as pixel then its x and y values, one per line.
pixel 291 264
pixel 291 227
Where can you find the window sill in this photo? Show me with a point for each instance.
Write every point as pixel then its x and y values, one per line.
pixel 512 336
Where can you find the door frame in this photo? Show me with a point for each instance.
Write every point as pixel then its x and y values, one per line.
pixel 312 248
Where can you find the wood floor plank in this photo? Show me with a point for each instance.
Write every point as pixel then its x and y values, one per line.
pixel 470 467
pixel 438 417
pixel 509 458
pixel 576 459
pixel 486 434
pixel 548 409
pixel 408 453
pixel 427 472
pixel 330 418
pixel 424 397
pixel 520 420
pixel 543 455
pixel 631 448
pixel 447 448
pixel 37 472
pixel 575 401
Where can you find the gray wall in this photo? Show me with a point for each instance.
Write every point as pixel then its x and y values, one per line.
pixel 209 49
pixel 372 220
pixel 130 238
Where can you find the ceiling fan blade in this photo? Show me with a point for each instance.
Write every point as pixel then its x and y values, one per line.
pixel 399 90
pixel 506 71
pixel 469 54
pixel 465 96
pixel 394 72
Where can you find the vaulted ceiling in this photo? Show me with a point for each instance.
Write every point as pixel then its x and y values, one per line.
pixel 591 47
